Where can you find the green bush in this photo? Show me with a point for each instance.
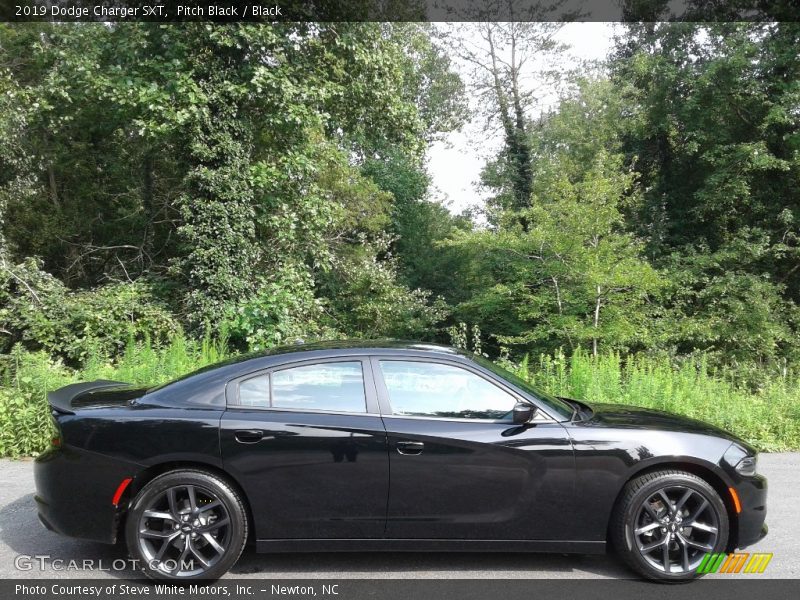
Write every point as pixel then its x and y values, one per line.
pixel 25 426
pixel 768 417
pixel 37 310
pixel 26 377
pixel 281 311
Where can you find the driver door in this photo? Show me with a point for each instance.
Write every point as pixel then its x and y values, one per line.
pixel 459 467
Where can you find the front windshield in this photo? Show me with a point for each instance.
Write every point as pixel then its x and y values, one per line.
pixel 558 406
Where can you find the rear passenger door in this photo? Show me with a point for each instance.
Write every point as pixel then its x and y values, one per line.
pixel 308 445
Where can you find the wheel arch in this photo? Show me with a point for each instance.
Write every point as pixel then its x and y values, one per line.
pixel 147 475
pixel 702 469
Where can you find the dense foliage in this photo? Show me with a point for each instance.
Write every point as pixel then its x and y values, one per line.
pixel 173 193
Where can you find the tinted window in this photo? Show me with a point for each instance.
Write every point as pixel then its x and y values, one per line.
pixel 425 389
pixel 335 386
pixel 254 391
pixel 558 406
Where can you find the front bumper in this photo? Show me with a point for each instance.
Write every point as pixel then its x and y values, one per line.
pixel 752 492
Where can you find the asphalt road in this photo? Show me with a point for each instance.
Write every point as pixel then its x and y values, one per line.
pixel 22 535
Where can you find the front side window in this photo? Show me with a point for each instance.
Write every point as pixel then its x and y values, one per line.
pixel 335 386
pixel 424 389
pixel 556 405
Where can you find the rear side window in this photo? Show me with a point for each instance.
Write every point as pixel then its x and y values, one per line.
pixel 332 386
pixel 255 392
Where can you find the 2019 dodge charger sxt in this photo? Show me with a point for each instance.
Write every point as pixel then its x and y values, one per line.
pixel 387 446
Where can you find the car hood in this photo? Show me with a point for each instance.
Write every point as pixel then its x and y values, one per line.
pixel 634 417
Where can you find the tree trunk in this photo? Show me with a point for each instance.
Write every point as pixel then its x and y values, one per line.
pixel 51 179
pixel 502 101
pixel 522 151
pixel 597 304
pixel 560 304
pixel 148 205
pixel 519 155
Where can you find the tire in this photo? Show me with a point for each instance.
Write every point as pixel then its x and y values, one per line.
pixel 696 523
pixel 186 525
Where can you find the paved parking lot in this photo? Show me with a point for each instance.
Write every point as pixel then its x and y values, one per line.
pixel 21 534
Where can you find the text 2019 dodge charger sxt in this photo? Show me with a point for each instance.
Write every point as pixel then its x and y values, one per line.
pixel 387 446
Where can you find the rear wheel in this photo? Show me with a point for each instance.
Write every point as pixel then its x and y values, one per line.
pixel 666 522
pixel 185 525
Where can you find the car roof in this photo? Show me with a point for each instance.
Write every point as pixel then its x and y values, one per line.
pixel 301 346
pixel 351 346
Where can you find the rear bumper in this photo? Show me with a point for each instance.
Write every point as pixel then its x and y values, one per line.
pixel 74 491
pixel 752 520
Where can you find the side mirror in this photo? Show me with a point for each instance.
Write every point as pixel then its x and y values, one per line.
pixel 523 412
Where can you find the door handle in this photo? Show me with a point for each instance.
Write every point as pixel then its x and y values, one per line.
pixel 410 448
pixel 248 436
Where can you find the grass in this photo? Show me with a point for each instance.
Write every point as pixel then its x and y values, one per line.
pixel 767 416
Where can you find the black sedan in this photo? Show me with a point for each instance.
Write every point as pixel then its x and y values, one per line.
pixel 387 446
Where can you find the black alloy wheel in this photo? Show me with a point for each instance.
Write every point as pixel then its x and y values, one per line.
pixel 186 525
pixel 666 522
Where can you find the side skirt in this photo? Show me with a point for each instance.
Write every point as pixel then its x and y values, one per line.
pixel 429 545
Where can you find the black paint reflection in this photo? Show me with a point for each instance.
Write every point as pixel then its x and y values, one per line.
pixel 345 449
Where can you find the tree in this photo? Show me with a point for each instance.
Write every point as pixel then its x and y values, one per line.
pixel 511 63
pixel 214 162
pixel 713 133
pixel 574 275
pixel 418 225
pixel 429 79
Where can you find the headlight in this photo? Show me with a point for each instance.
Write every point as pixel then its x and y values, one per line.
pixel 741 460
pixel 747 466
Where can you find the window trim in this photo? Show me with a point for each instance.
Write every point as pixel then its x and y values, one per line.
pixel 542 416
pixel 371 402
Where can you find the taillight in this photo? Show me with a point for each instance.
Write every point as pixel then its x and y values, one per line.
pixel 120 490
pixel 55 438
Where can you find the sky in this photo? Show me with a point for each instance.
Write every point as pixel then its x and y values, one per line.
pixel 455 162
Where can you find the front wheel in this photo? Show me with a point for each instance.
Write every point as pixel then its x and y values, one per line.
pixel 186 525
pixel 666 522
